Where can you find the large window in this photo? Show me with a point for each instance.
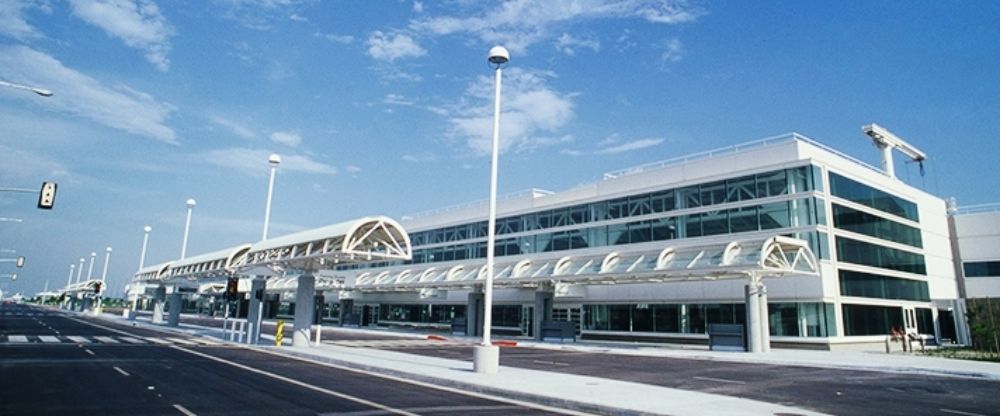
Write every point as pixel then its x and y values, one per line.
pixel 868 196
pixel 884 287
pixel 787 319
pixel 864 223
pixel 981 268
pixel 859 252
pixel 871 320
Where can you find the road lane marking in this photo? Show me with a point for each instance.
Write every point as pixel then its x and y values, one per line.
pixel 131 340
pixel 107 340
pixel 124 373
pixel 299 383
pixel 182 341
pixel 78 339
pixel 183 410
pixel 719 380
pixel 89 351
pixel 48 338
pixel 959 412
pixel 549 363
pixel 19 339
pixel 209 342
pixel 156 340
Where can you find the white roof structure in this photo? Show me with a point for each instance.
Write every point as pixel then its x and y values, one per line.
pixel 86 286
pixel 222 263
pixel 774 256
pixel 151 273
pixel 365 239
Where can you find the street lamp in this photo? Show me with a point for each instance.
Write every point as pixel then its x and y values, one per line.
pixel 69 280
pixel 187 226
pixel 90 269
pixel 79 271
pixel 274 160
pixel 486 357
pixel 40 91
pixel 145 241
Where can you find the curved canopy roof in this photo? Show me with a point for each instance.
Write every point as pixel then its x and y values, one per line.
pixel 149 273
pixel 774 256
pixel 86 286
pixel 215 264
pixel 366 239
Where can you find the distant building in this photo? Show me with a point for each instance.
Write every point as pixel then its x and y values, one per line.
pixel 884 247
pixel 977 232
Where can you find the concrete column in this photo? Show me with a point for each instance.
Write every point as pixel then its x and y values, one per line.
pixel 474 313
pixel 765 319
pixel 543 310
pixel 304 298
pixel 85 304
pixel 159 295
pixel 176 303
pixel 753 318
pixel 254 314
pixel 346 308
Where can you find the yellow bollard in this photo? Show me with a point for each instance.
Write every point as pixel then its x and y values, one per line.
pixel 279 334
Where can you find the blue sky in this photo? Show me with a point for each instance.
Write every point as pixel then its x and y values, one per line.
pixel 384 107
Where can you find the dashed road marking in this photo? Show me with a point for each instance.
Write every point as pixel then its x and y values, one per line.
pixel 719 380
pixel 183 410
pixel 78 339
pixel 107 340
pixel 123 372
pixel 48 338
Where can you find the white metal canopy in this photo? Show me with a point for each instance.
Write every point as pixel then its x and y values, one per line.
pixel 365 239
pixel 86 286
pixel 775 256
pixel 220 263
pixel 152 273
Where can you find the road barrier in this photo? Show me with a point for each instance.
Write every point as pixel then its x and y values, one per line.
pixel 279 333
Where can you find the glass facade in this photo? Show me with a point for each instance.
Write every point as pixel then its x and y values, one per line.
pixel 871 320
pixel 859 252
pixel 414 313
pixel 865 195
pixel 869 285
pixel 981 268
pixel 872 225
pixel 786 319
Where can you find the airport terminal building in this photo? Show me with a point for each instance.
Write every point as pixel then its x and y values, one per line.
pixel 883 248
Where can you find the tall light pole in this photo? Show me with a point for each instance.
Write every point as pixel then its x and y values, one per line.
pixel 69 280
pixel 40 91
pixel 274 160
pixel 486 357
pixel 104 282
pixel 79 271
pixel 145 241
pixel 187 226
pixel 90 269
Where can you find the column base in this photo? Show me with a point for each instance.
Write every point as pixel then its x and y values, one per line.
pixel 486 359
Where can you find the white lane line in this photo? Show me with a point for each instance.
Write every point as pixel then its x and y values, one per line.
pixel 299 383
pixel 183 410
pixel 19 339
pixel 182 341
pixel 156 340
pixel 209 342
pixel 719 380
pixel 959 412
pixel 107 340
pixel 89 351
pixel 48 338
pixel 78 339
pixel 131 340
pixel 124 373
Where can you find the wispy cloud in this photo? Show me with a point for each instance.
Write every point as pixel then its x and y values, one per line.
pixel 392 46
pixel 673 51
pixel 420 157
pixel 235 127
pixel 531 113
pixel 20 165
pixel 631 146
pixel 12 20
pixel 251 162
pixel 261 14
pixel 287 138
pixel 518 24
pixel 333 37
pixel 568 44
pixel 121 108
pixel 138 23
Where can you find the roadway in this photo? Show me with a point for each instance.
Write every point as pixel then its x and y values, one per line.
pixel 54 363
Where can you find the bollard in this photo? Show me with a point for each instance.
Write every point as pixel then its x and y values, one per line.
pixel 319 333
pixel 279 333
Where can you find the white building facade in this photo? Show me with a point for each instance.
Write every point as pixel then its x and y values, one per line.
pixel 884 250
pixel 977 232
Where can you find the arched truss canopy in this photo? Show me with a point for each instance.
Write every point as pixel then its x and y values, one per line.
pixel 362 240
pixel 291 283
pixel 222 263
pixel 86 286
pixel 776 256
pixel 158 272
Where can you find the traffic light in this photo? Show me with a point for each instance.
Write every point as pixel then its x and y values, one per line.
pixel 47 196
pixel 20 262
pixel 232 288
pixel 259 294
pixel 97 288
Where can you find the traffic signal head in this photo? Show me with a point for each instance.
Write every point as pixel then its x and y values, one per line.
pixel 232 288
pixel 20 262
pixel 47 196
pixel 97 287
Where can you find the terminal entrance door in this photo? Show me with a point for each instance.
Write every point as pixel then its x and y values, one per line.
pixel 570 313
pixel 910 319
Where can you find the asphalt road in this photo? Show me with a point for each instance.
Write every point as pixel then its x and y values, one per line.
pixel 58 364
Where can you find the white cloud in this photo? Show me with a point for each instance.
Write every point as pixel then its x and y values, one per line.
pixel 631 146
pixel 287 138
pixel 390 47
pixel 252 162
pixel 673 50
pixel 12 20
pixel 517 24
pixel 396 99
pixel 138 23
pixel 333 37
pixel 418 7
pixel 236 128
pixel 20 165
pixel 352 169
pixel 296 18
pixel 530 112
pixel 567 44
pixel 120 108
pixel 260 14
pixel 421 157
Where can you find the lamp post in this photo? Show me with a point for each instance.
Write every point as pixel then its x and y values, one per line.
pixel 40 91
pixel 90 269
pixel 187 226
pixel 274 160
pixel 486 357
pixel 145 241
pixel 79 271
pixel 69 280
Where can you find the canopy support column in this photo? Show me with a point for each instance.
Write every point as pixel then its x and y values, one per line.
pixel 543 308
pixel 254 313
pixel 305 302
pixel 159 295
pixel 474 312
pixel 176 303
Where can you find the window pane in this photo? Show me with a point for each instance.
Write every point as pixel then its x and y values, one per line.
pixel 864 223
pixel 858 252
pixel 884 287
pixel 871 320
pixel 868 196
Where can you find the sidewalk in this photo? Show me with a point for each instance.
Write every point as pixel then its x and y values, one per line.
pixel 564 391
